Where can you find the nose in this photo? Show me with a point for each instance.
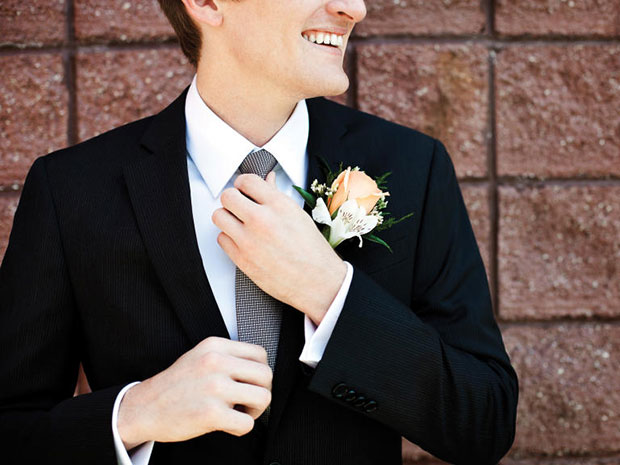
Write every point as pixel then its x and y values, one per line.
pixel 355 10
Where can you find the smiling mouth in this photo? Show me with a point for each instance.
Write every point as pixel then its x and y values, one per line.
pixel 324 38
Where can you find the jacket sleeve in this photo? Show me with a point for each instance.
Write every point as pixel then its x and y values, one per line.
pixel 40 420
pixel 433 369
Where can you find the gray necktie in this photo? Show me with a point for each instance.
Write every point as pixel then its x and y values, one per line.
pixel 258 314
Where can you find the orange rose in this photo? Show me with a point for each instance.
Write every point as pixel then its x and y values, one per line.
pixel 355 185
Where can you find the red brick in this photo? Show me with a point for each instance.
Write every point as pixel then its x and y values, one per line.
pixel 557 110
pixel 120 20
pixel 421 17
pixel 33 112
pixel 559 252
pixel 8 204
pixel 477 201
pixel 32 23
pixel 615 460
pixel 135 84
pixel 81 386
pixel 440 90
pixel 568 388
pixel 577 17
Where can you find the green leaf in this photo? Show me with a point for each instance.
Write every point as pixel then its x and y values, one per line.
pixel 307 196
pixel 389 222
pixel 378 240
pixel 325 231
pixel 325 168
pixel 381 180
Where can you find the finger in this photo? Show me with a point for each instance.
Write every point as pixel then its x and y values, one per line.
pixel 237 203
pixel 236 422
pixel 228 223
pixel 271 179
pixel 229 247
pixel 250 372
pixel 253 412
pixel 248 395
pixel 255 187
pixel 235 348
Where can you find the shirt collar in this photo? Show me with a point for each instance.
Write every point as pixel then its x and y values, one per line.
pixel 217 149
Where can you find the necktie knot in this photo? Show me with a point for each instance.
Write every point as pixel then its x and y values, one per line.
pixel 260 162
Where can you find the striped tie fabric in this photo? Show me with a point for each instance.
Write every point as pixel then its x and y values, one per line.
pixel 258 314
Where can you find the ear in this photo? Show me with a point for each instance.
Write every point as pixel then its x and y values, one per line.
pixel 204 12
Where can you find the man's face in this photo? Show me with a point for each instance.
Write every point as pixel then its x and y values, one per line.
pixel 272 40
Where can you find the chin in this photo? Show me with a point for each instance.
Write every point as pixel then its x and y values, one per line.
pixel 328 87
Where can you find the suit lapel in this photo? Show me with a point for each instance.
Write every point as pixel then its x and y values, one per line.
pixel 327 140
pixel 158 187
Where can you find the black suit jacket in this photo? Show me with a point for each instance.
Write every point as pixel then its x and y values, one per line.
pixel 103 267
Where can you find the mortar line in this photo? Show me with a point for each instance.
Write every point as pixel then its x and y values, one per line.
pixel 562 321
pixel 493 200
pixel 69 53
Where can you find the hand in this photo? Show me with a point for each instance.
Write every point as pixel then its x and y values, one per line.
pixel 219 385
pixel 278 246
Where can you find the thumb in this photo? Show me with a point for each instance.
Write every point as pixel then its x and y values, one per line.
pixel 271 178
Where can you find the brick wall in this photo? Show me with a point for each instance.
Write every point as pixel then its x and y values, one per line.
pixel 525 95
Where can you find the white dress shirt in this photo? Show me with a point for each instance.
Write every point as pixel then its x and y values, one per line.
pixel 215 151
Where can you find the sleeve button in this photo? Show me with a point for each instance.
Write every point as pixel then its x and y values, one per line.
pixel 350 396
pixel 370 406
pixel 340 390
pixel 360 401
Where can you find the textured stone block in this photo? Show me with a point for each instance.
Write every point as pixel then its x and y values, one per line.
pixel 135 84
pixel 440 90
pixel 615 460
pixel 476 199
pixel 576 17
pixel 559 252
pixel 557 110
pixel 32 23
pixel 422 17
pixel 569 401
pixel 33 113
pixel 120 20
pixel 8 205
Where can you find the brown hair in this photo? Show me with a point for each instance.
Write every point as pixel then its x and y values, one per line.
pixel 187 32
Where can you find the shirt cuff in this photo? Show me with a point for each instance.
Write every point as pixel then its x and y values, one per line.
pixel 317 337
pixel 140 455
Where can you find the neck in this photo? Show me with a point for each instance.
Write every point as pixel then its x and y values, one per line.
pixel 250 109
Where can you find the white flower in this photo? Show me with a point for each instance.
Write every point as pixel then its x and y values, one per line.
pixel 351 220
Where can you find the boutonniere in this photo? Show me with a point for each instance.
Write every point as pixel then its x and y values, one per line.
pixel 352 206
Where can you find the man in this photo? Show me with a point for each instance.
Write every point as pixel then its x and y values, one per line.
pixel 124 255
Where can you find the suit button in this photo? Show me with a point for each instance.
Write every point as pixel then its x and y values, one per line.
pixel 350 396
pixel 360 401
pixel 370 406
pixel 339 390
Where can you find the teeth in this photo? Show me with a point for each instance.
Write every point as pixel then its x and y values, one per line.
pixel 324 38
